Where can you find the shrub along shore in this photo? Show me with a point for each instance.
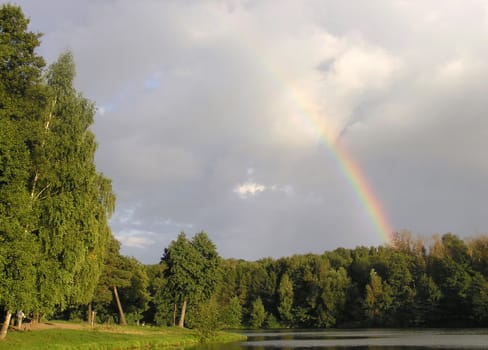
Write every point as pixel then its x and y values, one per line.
pixel 110 338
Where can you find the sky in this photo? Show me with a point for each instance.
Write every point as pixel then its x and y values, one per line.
pixel 277 126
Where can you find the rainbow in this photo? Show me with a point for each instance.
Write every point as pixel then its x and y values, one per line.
pixel 347 164
pixel 351 170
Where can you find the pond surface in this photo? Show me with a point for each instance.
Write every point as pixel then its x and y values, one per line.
pixel 369 339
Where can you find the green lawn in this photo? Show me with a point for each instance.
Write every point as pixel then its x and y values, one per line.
pixel 107 338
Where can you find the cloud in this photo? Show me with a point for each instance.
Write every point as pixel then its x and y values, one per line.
pixel 140 241
pixel 193 94
pixel 249 189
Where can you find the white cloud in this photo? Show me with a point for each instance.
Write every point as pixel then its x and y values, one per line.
pixel 140 241
pixel 249 189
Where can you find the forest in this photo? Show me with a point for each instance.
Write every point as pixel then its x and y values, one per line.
pixel 407 284
pixel 59 259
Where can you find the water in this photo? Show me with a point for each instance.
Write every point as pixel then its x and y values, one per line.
pixel 370 339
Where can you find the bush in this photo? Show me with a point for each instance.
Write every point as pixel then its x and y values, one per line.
pixel 206 319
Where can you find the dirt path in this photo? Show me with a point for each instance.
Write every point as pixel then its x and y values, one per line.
pixel 52 325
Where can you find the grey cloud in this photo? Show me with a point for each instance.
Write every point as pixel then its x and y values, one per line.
pixel 192 94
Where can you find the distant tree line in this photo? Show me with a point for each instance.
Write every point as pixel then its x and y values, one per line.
pixel 405 284
pixel 439 282
pixel 59 259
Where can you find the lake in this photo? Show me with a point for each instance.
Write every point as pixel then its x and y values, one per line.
pixel 369 339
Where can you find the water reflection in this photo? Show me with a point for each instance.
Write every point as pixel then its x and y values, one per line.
pixel 376 339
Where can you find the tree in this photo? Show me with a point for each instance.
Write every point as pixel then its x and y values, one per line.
pixel 158 302
pixel 285 299
pixel 207 319
pixel 54 205
pixel 258 314
pixel 478 248
pixel 193 270
pixel 116 274
pixel 334 294
pixel 449 266
pixel 72 199
pixel 135 297
pixel 478 299
pixel 232 314
pixel 426 302
pixel 378 299
pixel 22 99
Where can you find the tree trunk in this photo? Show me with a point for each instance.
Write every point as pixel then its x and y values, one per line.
pixel 123 322
pixel 19 322
pixel 174 316
pixel 6 323
pixel 182 317
pixel 93 318
pixel 89 314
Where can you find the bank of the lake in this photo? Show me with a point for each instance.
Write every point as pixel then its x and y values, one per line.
pixel 108 338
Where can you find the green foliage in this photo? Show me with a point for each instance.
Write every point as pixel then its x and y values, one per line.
pixel 378 300
pixel 232 314
pixel 193 269
pixel 411 285
pixel 135 296
pixel 426 303
pixel 271 321
pixel 132 282
pixel 258 314
pixel 54 205
pixel 334 294
pixel 285 299
pixel 66 192
pixel 22 98
pixel 206 319
pixel 478 299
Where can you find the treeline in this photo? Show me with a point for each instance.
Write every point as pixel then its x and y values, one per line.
pixel 406 284
pixel 411 283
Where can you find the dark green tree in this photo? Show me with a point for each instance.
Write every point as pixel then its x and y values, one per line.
pixel 232 314
pixel 448 264
pixel 22 99
pixel 159 305
pixel 115 274
pixel 426 303
pixel 193 270
pixel 135 297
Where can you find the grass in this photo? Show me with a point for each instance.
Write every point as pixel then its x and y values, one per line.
pixel 108 338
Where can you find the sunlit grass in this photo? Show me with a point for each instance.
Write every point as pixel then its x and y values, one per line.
pixel 106 338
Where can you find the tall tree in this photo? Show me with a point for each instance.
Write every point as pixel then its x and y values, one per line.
pixel 193 270
pixel 22 99
pixel 54 205
pixel 73 200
